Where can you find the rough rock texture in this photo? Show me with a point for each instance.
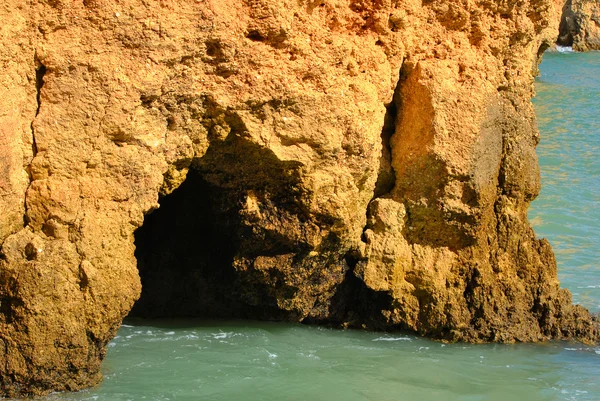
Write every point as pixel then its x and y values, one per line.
pixel 580 25
pixel 363 163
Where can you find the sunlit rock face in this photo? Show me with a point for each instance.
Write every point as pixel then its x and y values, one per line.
pixel 356 163
pixel 580 25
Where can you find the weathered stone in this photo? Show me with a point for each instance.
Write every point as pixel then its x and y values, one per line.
pixel 580 25
pixel 362 163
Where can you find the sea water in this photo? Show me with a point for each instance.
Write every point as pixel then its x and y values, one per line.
pixel 567 211
pixel 251 361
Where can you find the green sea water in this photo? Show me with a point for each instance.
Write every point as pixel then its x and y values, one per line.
pixel 251 361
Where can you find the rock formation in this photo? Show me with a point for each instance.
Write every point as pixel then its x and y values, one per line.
pixel 580 25
pixel 352 162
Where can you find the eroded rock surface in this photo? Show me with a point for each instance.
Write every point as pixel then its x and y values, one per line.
pixel 362 163
pixel 580 25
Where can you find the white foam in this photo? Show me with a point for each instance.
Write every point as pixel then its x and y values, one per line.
pixel 564 49
pixel 310 355
pixel 271 355
pixel 392 339
pixel 222 334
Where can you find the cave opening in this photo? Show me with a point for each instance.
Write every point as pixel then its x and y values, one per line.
pixel 197 253
pixel 184 251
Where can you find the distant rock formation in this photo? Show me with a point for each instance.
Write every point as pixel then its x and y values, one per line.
pixel 359 163
pixel 580 25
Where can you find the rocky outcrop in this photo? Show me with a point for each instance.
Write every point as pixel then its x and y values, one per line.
pixel 580 25
pixel 360 163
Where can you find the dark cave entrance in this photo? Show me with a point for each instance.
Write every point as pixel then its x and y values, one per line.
pixel 196 253
pixel 185 251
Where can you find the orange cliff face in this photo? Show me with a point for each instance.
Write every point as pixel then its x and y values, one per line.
pixel 580 25
pixel 361 163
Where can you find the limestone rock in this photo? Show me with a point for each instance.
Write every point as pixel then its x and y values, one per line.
pixel 360 163
pixel 580 25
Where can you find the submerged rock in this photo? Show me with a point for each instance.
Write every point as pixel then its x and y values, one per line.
pixel 580 25
pixel 365 164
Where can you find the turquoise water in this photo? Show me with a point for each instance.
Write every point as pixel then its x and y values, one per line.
pixel 567 212
pixel 268 361
pixel 251 361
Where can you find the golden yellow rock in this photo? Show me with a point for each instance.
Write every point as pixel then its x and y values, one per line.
pixel 362 163
pixel 580 25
